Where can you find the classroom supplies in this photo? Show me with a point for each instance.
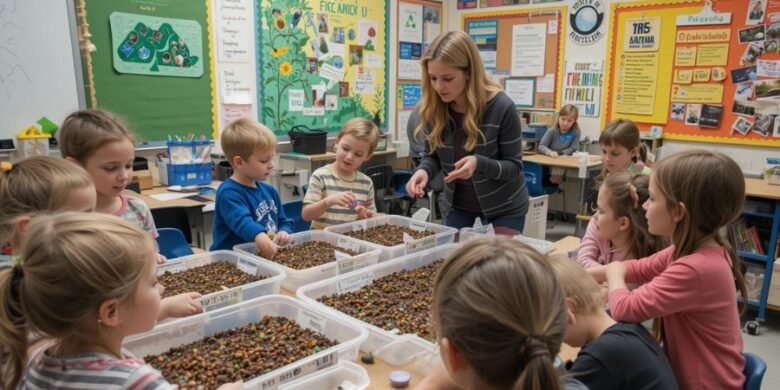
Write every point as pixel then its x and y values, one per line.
pixel 33 142
pixel 188 164
pixel 308 141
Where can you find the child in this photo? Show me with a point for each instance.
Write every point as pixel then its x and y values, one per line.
pixel 500 315
pixel 618 229
pixel 614 355
pixel 85 283
pixel 690 286
pixel 621 149
pixel 103 144
pixel 247 209
pixel 44 184
pixel 561 139
pixel 338 192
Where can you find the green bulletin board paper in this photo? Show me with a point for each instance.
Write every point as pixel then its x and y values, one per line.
pixel 321 63
pixel 153 106
pixel 155 46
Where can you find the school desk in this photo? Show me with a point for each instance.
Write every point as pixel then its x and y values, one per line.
pixel 200 212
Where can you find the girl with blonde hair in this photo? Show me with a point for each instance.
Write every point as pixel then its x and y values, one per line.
pixel 472 134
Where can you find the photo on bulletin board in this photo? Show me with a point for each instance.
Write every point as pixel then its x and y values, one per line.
pixel 320 66
pixel 467 4
pixel 501 3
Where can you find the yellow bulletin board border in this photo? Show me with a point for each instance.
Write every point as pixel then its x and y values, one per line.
pixel 562 12
pixel 213 70
pixel 675 8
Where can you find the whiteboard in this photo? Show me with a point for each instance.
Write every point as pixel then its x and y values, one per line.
pixel 38 72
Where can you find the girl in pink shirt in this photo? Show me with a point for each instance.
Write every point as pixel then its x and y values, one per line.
pixel 690 286
pixel 618 229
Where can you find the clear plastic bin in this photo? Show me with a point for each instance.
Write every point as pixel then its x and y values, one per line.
pixel 368 255
pixel 443 234
pixel 377 337
pixel 231 296
pixel 467 233
pixel 541 246
pixel 191 329
pixel 332 378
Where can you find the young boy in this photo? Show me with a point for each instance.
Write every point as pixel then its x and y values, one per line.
pixel 614 355
pixel 338 192
pixel 247 209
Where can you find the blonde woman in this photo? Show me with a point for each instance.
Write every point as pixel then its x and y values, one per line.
pixel 472 134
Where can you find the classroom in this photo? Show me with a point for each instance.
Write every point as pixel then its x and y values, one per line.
pixel 426 194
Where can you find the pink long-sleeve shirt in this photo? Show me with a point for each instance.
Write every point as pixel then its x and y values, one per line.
pixel 697 299
pixel 595 251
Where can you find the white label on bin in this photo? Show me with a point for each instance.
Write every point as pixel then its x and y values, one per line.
pixel 244 266
pixel 355 263
pixel 312 320
pixel 421 244
pixel 355 282
pixel 285 376
pixel 178 267
pixel 348 244
pixel 360 225
pixel 192 176
pixel 221 299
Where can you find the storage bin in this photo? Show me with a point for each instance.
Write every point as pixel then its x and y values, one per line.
pixel 234 295
pixel 377 337
pixel 332 378
pixel 184 152
pixel 443 234
pixel 191 329
pixel 368 254
pixel 534 132
pixel 187 174
pixel 541 246
pixel 308 141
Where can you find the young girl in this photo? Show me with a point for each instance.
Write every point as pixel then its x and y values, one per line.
pixel 500 315
pixel 85 282
pixel 44 184
pixel 103 144
pixel 690 286
pixel 621 149
pixel 618 229
pixel 561 139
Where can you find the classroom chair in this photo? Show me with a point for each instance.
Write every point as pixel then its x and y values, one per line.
pixel 293 210
pixel 539 184
pixel 387 200
pixel 172 243
pixel 754 371
pixel 173 217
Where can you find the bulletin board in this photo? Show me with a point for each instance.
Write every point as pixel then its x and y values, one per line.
pixel 419 23
pixel 321 63
pixel 498 56
pixel 152 64
pixel 685 67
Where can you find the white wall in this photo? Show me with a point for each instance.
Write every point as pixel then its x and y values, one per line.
pixel 750 158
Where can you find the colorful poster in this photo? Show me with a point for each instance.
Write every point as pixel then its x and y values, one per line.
pixel 683 76
pixel 155 46
pixel 642 34
pixel 704 36
pixel 409 61
pixel 697 93
pixel 485 34
pixel 500 3
pixel 582 86
pixel 685 56
pixel 467 4
pixel 329 52
pixel 768 68
pixel 636 83
pixel 410 95
pixel 431 23
pixel 410 22
pixel 713 54
pixel 528 49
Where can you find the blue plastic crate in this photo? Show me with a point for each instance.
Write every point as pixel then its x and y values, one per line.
pixel 189 174
pixel 185 151
pixel 534 132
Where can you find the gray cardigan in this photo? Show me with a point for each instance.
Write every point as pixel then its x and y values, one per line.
pixel 498 178
pixel 552 140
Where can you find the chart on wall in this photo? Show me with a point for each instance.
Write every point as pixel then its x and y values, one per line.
pixel 698 72
pixel 321 63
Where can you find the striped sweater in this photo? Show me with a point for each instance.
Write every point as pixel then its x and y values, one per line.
pixel 498 178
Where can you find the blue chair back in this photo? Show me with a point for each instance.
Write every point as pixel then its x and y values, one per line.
pixel 754 371
pixel 172 243
pixel 533 178
pixel 293 210
pixel 400 178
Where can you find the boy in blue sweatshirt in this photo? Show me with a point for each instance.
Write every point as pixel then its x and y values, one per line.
pixel 247 209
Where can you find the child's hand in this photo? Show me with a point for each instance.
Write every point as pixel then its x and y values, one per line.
pixel 364 212
pixel 230 386
pixel 553 153
pixel 282 238
pixel 616 271
pixel 181 305
pixel 160 258
pixel 266 247
pixel 341 199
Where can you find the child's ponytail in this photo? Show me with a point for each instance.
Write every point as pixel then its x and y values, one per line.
pixel 13 328
pixel 539 372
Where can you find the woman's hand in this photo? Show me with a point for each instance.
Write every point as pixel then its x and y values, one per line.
pixel 415 187
pixel 464 169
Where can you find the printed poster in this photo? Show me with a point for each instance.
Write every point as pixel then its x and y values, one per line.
pixel 643 34
pixel 410 22
pixel 713 54
pixel 697 93
pixel 582 86
pixel 234 31
pixel 685 56
pixel 521 90
pixel 485 34
pixel 528 49
pixel 410 95
pixel 636 83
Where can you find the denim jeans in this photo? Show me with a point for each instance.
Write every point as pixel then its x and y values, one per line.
pixel 460 219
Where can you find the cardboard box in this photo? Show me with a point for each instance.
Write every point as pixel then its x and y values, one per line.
pixel 144 179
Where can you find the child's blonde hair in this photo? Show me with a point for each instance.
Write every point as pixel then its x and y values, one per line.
pixel 84 132
pixel 455 49
pixel 245 136
pixel 70 263
pixel 627 195
pixel 36 185
pixel 498 301
pixel 711 187
pixel 568 110
pixel 582 291
pixel 362 129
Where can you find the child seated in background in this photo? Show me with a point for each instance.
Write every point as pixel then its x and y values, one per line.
pixel 246 208
pixel 43 185
pixel 614 355
pixel 339 192
pixel 562 138
pixel 618 229
pixel 85 282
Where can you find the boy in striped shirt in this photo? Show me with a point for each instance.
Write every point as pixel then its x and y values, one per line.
pixel 338 192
